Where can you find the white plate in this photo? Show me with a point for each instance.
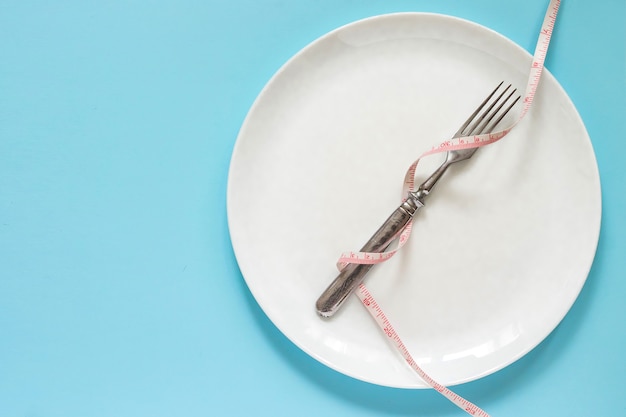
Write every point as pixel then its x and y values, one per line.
pixel 499 253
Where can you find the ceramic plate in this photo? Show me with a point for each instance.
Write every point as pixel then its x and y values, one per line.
pixel 499 253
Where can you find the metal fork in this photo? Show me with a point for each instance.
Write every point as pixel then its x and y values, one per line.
pixel 483 120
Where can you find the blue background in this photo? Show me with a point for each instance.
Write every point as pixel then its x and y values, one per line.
pixel 119 291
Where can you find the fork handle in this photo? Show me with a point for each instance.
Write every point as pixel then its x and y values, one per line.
pixel 353 274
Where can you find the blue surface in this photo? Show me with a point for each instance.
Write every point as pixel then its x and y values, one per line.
pixel 119 291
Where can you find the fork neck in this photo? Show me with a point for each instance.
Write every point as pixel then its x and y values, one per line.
pixel 452 157
pixel 426 187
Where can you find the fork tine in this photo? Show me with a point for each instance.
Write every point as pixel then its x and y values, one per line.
pixel 473 115
pixel 475 127
pixel 476 124
pixel 499 119
pixel 482 127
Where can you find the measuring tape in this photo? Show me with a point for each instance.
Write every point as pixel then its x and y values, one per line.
pixel 466 142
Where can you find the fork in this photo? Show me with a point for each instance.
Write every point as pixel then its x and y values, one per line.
pixel 483 120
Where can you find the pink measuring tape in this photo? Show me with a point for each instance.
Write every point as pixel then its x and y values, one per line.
pixel 363 293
